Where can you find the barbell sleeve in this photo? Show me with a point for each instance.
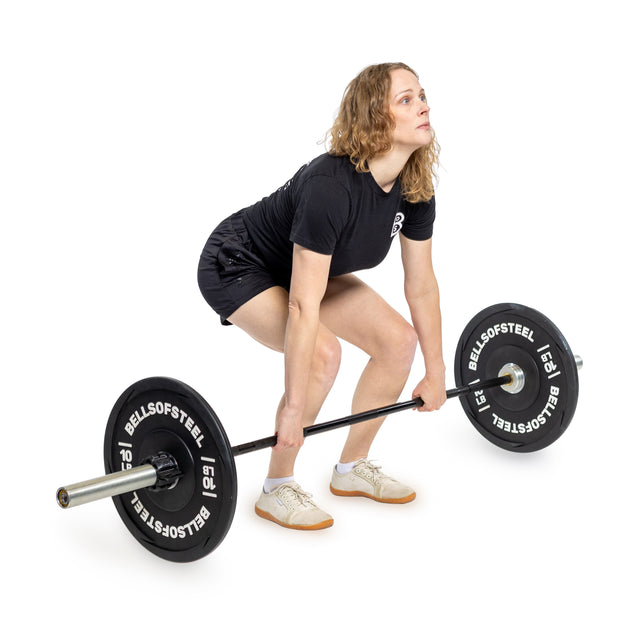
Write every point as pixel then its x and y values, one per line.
pixel 107 486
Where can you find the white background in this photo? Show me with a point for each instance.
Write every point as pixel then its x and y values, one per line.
pixel 129 129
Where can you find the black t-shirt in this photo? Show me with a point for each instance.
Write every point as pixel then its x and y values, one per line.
pixel 330 208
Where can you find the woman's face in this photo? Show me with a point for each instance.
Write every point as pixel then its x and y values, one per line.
pixel 408 105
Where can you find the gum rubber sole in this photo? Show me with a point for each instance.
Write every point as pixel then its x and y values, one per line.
pixel 362 494
pixel 325 524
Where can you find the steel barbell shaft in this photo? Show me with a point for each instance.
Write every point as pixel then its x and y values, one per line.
pixel 145 475
pixel 356 418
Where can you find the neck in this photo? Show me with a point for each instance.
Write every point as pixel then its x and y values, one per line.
pixel 385 168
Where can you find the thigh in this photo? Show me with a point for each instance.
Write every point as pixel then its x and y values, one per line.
pixel 264 317
pixel 353 311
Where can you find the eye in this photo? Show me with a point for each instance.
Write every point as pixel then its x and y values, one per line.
pixel 423 98
pixel 405 101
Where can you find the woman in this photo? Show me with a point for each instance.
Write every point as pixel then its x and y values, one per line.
pixel 282 270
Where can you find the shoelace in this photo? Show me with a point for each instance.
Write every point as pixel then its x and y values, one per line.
pixel 295 493
pixel 375 470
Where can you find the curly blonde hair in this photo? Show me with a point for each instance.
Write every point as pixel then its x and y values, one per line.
pixel 364 128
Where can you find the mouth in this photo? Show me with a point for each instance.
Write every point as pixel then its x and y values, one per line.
pixel 425 125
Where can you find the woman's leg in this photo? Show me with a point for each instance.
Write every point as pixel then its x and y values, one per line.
pixel 264 318
pixel 354 312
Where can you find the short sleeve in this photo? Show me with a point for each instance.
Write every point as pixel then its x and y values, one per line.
pixel 418 219
pixel 321 214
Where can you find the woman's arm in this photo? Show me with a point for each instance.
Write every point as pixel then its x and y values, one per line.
pixel 309 277
pixel 423 297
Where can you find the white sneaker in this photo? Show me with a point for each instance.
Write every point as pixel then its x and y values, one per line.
pixel 367 480
pixel 291 507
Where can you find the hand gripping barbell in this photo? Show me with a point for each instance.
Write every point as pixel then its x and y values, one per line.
pixel 171 470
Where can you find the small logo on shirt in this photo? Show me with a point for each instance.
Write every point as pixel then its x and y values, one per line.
pixel 397 223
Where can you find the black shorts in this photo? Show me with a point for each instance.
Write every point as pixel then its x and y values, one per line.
pixel 230 273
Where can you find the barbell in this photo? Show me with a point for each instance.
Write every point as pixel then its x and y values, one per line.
pixel 171 470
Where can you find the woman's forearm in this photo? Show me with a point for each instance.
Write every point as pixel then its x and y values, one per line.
pixel 300 339
pixel 309 277
pixel 427 321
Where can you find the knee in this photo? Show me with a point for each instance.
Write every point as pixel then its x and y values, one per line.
pixel 400 346
pixel 326 359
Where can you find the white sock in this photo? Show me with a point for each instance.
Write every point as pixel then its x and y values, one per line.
pixel 344 467
pixel 271 483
